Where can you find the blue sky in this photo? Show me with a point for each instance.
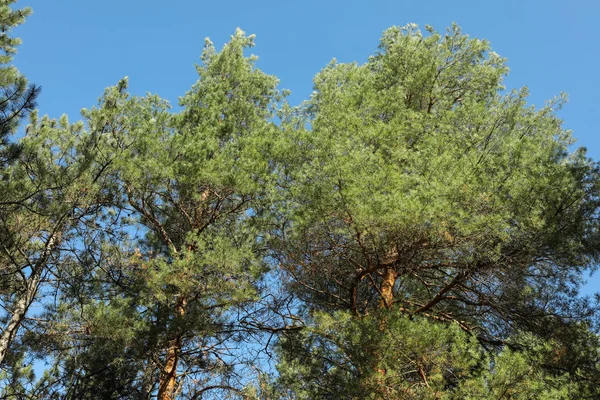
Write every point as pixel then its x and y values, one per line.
pixel 75 48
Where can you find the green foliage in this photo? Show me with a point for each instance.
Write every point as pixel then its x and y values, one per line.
pixel 17 97
pixel 52 190
pixel 412 231
pixel 389 356
pixel 193 184
pixel 447 194
pixel 414 182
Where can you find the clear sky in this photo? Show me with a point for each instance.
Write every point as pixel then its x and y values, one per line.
pixel 75 48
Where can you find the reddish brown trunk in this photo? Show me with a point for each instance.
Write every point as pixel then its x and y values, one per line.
pixel 387 299
pixel 387 288
pixel 168 378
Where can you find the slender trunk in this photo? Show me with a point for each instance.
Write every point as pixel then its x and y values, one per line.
pixel 18 314
pixel 168 378
pixel 31 285
pixel 387 288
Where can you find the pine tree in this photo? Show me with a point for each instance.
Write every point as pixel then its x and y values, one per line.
pixel 17 96
pixel 426 230
pixel 162 309
pixel 48 194
pixel 416 184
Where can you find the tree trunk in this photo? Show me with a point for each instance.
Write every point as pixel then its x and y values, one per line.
pixel 18 314
pixel 386 291
pixel 168 377
pixel 387 288
pixel 23 303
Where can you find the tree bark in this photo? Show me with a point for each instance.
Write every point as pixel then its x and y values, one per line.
pixel 168 377
pixel 19 311
pixel 21 306
pixel 386 291
pixel 387 288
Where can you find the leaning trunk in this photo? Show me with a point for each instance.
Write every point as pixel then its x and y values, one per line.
pixel 18 314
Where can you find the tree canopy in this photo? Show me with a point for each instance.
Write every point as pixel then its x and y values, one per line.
pixel 413 230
